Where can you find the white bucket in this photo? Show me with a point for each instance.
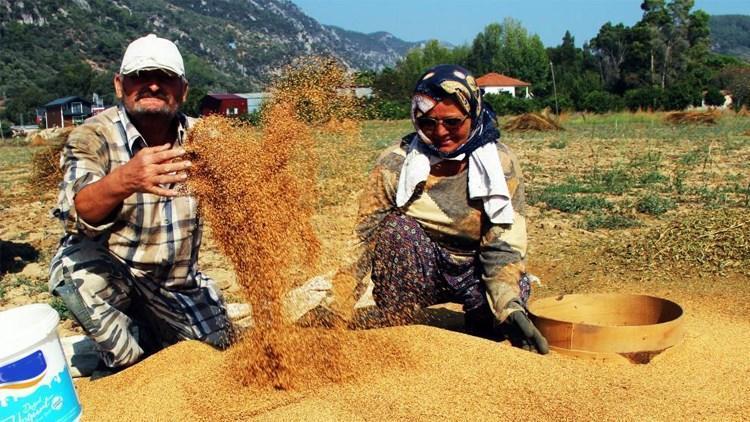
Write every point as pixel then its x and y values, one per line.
pixel 35 384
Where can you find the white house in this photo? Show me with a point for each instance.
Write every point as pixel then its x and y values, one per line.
pixel 495 83
pixel 254 100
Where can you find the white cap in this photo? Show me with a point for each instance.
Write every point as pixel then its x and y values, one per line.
pixel 151 52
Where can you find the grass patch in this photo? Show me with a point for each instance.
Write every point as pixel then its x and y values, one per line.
pixel 57 304
pixel 571 203
pixel 654 204
pixel 694 157
pixel 14 155
pixel 678 181
pixel 615 181
pixel 712 198
pixel 650 161
pixel 652 177
pixel 608 221
pixel 558 144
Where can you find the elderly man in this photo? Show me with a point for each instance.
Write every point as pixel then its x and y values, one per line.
pixel 127 266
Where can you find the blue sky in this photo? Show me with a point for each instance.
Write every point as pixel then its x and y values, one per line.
pixel 459 21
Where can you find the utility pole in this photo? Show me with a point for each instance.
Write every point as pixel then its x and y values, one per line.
pixel 554 87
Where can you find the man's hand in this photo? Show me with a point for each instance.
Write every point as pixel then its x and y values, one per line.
pixel 152 167
pixel 522 332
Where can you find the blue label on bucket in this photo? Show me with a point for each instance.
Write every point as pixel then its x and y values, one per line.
pixel 25 372
pixel 55 401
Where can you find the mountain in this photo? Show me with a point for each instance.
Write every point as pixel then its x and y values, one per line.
pixel 51 46
pixel 730 35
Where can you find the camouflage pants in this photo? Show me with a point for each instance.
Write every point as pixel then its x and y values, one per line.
pixel 127 313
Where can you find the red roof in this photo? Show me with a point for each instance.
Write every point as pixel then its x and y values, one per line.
pixel 496 79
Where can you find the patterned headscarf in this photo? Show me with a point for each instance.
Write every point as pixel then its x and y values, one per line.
pixel 454 82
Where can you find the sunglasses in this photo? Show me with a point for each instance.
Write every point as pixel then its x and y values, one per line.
pixel 428 124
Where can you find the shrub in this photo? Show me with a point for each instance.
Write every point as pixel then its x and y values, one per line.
pixel 602 102
pixel 679 97
pixel 713 98
pixel 253 117
pixel 564 103
pixel 6 132
pixel 654 204
pixel 644 98
pixel 505 104
pixel 388 109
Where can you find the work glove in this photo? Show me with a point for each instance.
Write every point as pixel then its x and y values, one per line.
pixel 521 331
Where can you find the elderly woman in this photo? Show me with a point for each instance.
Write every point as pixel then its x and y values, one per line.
pixel 443 215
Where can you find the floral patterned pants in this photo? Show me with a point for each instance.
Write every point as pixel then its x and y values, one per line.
pixel 411 271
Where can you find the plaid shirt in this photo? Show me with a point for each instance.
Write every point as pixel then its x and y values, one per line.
pixel 158 235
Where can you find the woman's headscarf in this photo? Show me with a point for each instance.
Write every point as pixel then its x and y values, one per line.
pixel 486 177
pixel 454 82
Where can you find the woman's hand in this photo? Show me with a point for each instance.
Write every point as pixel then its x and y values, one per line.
pixel 522 332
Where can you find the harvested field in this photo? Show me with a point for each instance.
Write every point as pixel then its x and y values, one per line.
pixel 699 173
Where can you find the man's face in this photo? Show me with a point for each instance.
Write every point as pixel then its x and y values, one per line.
pixel 151 92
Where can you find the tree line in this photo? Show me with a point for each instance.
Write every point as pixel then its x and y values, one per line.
pixel 663 62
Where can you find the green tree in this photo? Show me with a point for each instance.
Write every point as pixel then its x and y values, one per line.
pixel 736 79
pixel 713 97
pixel 576 73
pixel 611 46
pixel 397 84
pixel 508 48
pixel 486 49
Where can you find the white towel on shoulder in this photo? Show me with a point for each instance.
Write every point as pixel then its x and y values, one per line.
pixel 486 179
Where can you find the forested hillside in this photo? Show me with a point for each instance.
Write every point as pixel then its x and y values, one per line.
pixel 54 48
pixel 730 34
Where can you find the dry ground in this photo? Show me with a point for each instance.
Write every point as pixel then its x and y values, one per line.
pixel 692 171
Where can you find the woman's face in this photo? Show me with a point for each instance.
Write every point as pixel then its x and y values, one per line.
pixel 446 125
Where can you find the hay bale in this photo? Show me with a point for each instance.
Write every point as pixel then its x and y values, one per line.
pixel 46 172
pixel 541 122
pixel 692 117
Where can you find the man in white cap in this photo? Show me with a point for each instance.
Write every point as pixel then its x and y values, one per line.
pixel 127 266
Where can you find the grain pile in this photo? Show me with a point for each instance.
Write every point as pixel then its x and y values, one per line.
pixel 257 191
pixel 532 121
pixel 457 377
pixel 692 117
